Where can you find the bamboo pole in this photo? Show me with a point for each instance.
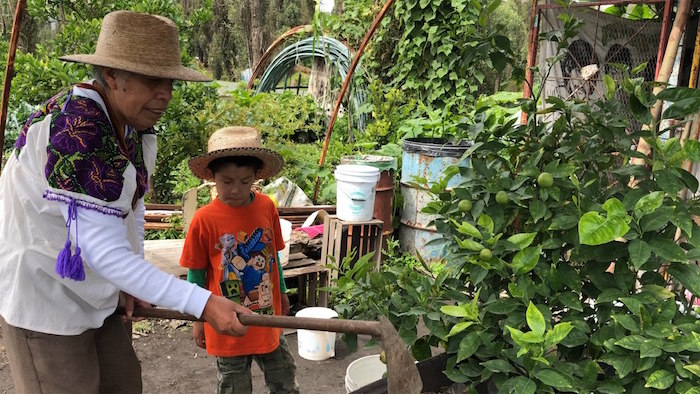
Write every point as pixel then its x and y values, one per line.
pixel 663 39
pixel 674 39
pixel 10 71
pixel 531 55
pixel 345 85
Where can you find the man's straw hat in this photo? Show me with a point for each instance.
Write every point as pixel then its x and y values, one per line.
pixel 237 141
pixel 140 43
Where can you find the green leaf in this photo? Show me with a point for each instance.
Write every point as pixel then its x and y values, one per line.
pixel 623 364
pixel 502 306
pixel 650 349
pixel 564 222
pixel 467 229
pixel 657 219
pixel 688 275
pixel 537 210
pixel 454 310
pixel 610 387
pixel 498 366
pixel 535 320
pixel 609 83
pixel 468 345
pixel 469 244
pixel 498 60
pixel 518 385
pixel 523 240
pixel 693 368
pixel 639 252
pixel 648 203
pixel 609 295
pixel 628 322
pixel 486 222
pixel 614 207
pixel 553 378
pixel 594 229
pixel 692 150
pixel 459 327
pixel 525 260
pixel 632 342
pixel 667 250
pixel 660 379
pixel 557 334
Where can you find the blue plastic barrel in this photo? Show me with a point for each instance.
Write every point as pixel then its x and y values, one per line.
pixel 424 158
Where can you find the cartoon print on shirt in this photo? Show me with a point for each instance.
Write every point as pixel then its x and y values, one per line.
pixel 244 262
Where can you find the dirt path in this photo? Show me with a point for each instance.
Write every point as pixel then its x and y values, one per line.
pixel 171 363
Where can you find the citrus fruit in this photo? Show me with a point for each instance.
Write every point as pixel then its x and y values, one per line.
pixel 465 205
pixel 545 180
pixel 382 356
pixel 502 197
pixel 485 254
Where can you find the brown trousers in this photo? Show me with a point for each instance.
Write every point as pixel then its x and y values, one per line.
pixel 100 360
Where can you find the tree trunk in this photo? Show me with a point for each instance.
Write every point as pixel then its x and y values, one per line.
pixel 256 32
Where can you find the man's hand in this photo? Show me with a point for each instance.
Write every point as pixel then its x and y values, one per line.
pixel 222 314
pixel 129 303
pixel 198 334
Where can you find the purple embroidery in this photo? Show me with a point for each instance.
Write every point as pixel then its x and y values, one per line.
pixel 53 196
pixel 74 134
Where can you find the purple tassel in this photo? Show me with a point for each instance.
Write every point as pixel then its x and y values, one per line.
pixel 76 265
pixel 67 265
pixel 62 267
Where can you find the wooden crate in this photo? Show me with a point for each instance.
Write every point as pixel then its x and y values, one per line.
pixel 341 237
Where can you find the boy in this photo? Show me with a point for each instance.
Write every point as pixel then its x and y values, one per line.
pixel 231 249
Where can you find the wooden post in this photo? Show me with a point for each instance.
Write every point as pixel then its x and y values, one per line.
pixel 531 55
pixel 10 71
pixel 665 71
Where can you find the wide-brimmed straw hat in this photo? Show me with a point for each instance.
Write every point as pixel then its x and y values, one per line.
pixel 237 141
pixel 140 43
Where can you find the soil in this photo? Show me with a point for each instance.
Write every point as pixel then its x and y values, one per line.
pixel 171 363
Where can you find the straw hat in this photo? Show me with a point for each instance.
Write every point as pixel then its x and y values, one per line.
pixel 140 43
pixel 237 141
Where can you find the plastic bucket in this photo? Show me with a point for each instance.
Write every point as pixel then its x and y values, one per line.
pixel 286 227
pixel 384 196
pixel 363 371
pixel 316 345
pixel 356 188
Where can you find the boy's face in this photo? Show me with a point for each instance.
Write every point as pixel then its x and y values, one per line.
pixel 233 184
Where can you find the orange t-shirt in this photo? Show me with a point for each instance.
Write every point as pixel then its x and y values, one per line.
pixel 238 247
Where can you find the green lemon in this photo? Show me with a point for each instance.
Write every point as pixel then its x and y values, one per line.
pixel 545 180
pixel 502 197
pixel 485 254
pixel 382 356
pixel 465 205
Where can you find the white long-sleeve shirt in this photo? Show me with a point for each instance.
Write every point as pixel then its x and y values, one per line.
pixel 35 187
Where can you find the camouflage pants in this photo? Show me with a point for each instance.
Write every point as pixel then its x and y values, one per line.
pixel 233 373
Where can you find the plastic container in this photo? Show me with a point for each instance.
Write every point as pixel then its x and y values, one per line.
pixel 286 227
pixel 356 188
pixel 363 371
pixel 316 345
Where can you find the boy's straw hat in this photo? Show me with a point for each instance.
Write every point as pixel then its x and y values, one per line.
pixel 237 141
pixel 140 43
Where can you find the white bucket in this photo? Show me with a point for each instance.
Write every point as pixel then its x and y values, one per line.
pixel 363 371
pixel 356 187
pixel 286 227
pixel 316 345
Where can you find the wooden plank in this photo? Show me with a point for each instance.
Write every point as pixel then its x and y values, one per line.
pixel 294 272
pixel 160 226
pixel 165 207
pixel 165 254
